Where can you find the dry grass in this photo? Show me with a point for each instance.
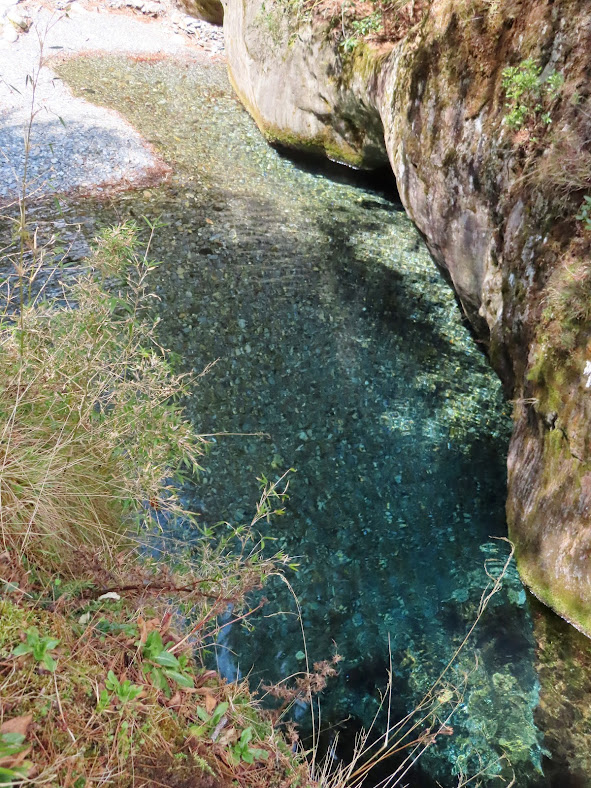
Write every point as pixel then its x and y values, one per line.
pixel 562 172
pixel 79 732
pixel 90 428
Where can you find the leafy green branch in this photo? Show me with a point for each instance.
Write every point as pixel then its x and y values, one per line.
pixel 529 97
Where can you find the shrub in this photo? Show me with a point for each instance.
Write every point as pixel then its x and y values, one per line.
pixel 91 427
pixel 529 96
pixel 360 29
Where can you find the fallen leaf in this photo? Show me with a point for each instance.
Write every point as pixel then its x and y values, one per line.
pixel 228 737
pixel 143 629
pixel 153 623
pixel 210 703
pixel 165 623
pixel 17 725
pixel 209 674
pixel 176 700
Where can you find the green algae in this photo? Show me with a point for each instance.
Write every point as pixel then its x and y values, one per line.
pixel 323 144
pixel 363 62
pixel 556 590
pixel 564 665
pixel 566 603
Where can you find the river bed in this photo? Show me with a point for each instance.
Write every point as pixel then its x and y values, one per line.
pixel 340 352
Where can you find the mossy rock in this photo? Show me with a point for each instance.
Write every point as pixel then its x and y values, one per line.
pixel 209 10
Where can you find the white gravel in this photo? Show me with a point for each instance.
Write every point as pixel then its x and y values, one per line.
pixel 76 145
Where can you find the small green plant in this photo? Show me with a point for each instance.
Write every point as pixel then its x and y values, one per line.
pixel 367 25
pixel 528 95
pixel 11 746
pixel 209 722
pixel 349 44
pixel 164 665
pixel 554 84
pixel 584 214
pixel 125 691
pixel 242 751
pixel 360 29
pixel 39 648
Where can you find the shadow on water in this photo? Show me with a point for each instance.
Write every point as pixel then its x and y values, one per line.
pixel 342 361
pixel 336 337
pixel 380 181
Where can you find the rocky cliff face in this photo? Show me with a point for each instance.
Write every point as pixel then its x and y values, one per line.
pixel 494 183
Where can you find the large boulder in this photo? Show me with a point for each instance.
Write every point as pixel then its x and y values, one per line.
pixel 289 80
pixel 496 197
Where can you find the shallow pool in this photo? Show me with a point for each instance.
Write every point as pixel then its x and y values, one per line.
pixel 337 341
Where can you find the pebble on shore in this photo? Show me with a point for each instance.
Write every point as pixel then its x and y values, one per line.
pixel 76 145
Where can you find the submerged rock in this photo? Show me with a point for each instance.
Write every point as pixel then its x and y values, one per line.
pixel 497 195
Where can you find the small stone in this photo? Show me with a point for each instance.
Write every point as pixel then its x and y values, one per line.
pixel 152 9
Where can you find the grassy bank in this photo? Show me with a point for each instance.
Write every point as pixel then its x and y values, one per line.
pixel 102 646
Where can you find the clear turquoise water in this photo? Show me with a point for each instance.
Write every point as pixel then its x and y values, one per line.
pixel 337 338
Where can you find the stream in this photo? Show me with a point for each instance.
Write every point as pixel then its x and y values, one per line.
pixel 340 352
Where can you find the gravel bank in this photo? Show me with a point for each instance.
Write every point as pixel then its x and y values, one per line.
pixel 76 145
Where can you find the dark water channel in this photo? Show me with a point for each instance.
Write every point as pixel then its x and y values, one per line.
pixel 338 339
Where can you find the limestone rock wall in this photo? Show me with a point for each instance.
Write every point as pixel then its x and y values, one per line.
pixel 289 79
pixel 496 206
